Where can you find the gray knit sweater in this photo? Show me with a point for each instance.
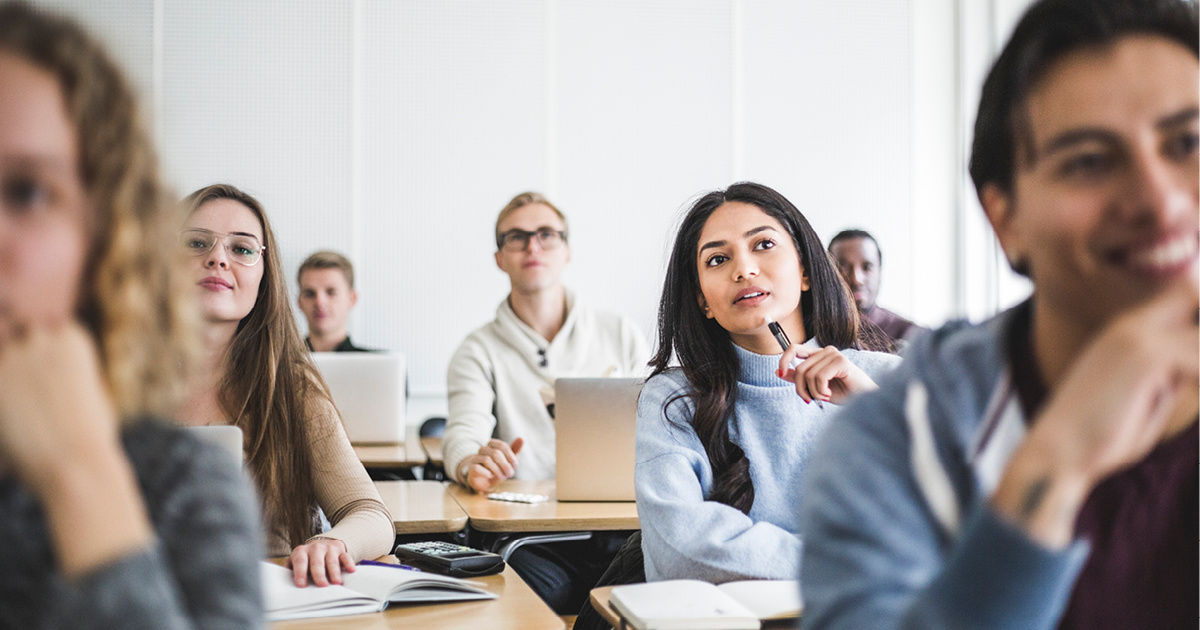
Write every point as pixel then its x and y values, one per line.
pixel 202 571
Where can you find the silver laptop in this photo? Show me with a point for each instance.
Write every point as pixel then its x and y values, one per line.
pixel 594 420
pixel 368 389
pixel 227 437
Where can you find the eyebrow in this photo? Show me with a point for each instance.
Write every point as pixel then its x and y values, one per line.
pixel 1178 118
pixel 245 234
pixel 1073 137
pixel 534 230
pixel 748 234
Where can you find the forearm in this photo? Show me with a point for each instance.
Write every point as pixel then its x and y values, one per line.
pixel 1041 494
pixel 366 529
pixel 94 510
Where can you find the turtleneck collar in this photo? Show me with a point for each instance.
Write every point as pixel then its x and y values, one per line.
pixel 758 370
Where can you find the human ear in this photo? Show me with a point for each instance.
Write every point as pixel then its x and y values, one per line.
pixel 353 297
pixel 1001 213
pixel 704 306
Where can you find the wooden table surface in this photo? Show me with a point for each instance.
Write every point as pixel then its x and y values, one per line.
pixel 518 608
pixel 599 599
pixel 487 515
pixel 433 449
pixel 421 507
pixel 405 455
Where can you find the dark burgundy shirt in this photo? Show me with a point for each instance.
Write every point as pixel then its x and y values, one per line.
pixel 1142 522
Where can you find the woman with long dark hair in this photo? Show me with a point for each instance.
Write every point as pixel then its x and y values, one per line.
pixel 260 377
pixel 722 439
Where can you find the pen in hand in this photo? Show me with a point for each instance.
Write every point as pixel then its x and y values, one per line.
pixel 785 343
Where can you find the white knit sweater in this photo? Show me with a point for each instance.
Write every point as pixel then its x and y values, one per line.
pixel 497 375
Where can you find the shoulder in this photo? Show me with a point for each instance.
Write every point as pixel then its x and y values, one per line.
pixel 173 467
pixel 668 383
pixel 957 365
pixel 483 340
pixel 873 363
pixel 666 394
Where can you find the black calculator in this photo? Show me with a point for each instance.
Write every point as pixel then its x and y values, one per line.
pixel 449 559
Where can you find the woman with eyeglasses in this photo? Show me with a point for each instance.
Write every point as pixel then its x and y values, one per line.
pixel 258 376
pixel 109 519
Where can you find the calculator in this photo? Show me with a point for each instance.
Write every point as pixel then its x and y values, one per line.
pixel 449 559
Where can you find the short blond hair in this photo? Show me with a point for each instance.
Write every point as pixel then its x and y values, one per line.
pixel 520 201
pixel 134 298
pixel 327 260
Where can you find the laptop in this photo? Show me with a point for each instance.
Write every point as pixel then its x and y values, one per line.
pixel 227 437
pixel 594 420
pixel 368 390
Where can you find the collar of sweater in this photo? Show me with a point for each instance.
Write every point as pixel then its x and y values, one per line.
pixel 535 341
pixel 758 370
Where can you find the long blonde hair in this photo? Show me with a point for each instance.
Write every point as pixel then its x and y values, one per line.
pixel 270 387
pixel 134 299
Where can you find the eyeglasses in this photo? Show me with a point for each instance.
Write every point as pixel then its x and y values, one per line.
pixel 518 240
pixel 243 249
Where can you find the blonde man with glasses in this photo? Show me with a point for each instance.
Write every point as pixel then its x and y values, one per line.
pixel 501 378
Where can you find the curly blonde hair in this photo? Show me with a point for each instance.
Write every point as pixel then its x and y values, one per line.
pixel 133 297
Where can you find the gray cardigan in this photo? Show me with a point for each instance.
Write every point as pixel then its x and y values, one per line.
pixel 202 571
pixel 898 531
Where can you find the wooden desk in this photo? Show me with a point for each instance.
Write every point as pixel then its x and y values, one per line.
pixel 421 507
pixel 518 608
pixel 404 455
pixel 433 449
pixel 599 599
pixel 501 516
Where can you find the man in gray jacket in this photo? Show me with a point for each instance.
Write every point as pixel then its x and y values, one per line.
pixel 1040 470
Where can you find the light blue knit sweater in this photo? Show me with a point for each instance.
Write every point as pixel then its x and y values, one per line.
pixel 685 536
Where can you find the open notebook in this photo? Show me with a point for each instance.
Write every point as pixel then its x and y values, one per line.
pixel 696 605
pixel 369 589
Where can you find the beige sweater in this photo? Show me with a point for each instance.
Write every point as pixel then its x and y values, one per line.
pixel 344 491
pixel 496 378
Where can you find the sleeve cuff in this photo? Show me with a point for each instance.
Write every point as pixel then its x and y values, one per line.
pixel 997 577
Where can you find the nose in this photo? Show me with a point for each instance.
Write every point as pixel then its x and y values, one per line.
pixel 744 268
pixel 216 258
pixel 858 276
pixel 534 245
pixel 1159 191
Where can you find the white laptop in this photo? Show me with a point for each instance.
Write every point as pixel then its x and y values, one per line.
pixel 227 437
pixel 368 390
pixel 594 422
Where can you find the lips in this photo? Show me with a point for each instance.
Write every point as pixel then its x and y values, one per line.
pixel 1162 256
pixel 215 283
pixel 750 296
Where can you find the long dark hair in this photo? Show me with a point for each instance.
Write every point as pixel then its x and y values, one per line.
pixel 270 388
pixel 703 347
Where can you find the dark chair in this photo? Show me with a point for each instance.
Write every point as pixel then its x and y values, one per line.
pixel 432 427
pixel 626 568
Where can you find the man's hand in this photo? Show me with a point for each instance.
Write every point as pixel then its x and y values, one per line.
pixel 495 462
pixel 1123 394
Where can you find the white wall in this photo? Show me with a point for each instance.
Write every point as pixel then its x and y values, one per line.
pixel 394 131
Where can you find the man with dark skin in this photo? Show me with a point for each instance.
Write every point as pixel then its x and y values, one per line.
pixel 858 259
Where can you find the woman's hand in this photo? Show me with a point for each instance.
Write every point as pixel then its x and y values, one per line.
pixel 58 432
pixel 55 410
pixel 824 374
pixel 322 558
pixel 1134 384
pixel 495 462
